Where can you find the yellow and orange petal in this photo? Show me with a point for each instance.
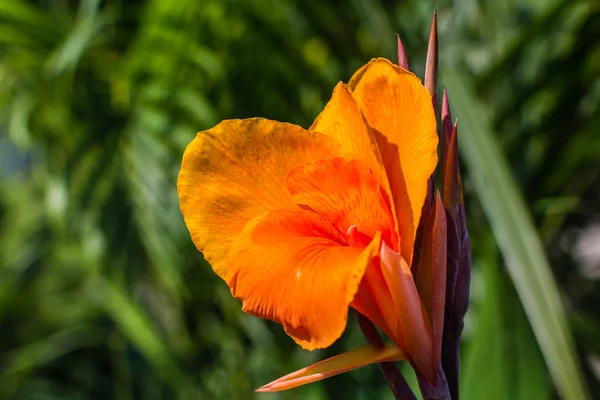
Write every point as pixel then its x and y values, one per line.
pixel 236 171
pixel 343 120
pixel 293 228
pixel 399 109
pixel 294 267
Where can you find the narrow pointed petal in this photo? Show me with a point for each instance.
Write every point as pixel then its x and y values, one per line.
pixel 451 179
pixel 446 118
pixel 449 160
pixel 431 83
pixel 446 131
pixel 236 171
pixel 336 365
pixel 413 317
pixel 431 65
pixel 402 58
pixel 296 268
pixel 431 273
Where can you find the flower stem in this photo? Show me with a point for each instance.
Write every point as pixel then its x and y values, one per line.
pixel 394 378
pixel 450 358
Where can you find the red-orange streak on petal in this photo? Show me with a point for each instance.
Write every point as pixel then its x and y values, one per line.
pixel 345 362
pixel 345 193
pixel 431 273
pixel 294 267
pixel 399 108
pixel 356 238
pixel 413 317
pixel 236 171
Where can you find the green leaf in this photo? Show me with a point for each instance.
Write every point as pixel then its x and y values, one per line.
pixel 513 228
pixel 500 337
pixel 136 326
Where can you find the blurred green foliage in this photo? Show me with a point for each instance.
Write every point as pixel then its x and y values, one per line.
pixel 102 293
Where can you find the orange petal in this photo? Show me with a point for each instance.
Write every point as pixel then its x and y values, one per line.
pixel 346 194
pixel 345 362
pixel 431 273
pixel 413 316
pixel 342 120
pixel 399 108
pixel 292 267
pixel 374 301
pixel 236 171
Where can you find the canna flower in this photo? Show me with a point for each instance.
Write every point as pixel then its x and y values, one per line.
pixel 303 225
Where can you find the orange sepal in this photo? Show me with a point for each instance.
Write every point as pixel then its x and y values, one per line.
pixel 399 108
pixel 431 273
pixel 413 319
pixel 345 362
pixel 295 268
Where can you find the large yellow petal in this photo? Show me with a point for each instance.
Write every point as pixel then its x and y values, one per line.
pixel 342 120
pixel 294 267
pixel 236 171
pixel 399 108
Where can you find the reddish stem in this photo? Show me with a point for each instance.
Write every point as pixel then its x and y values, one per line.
pixel 394 378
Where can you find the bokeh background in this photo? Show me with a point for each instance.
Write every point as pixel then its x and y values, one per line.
pixel 102 293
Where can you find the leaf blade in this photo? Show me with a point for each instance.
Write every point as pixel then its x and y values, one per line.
pixel 517 238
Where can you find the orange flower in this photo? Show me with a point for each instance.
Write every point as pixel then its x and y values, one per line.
pixel 303 224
